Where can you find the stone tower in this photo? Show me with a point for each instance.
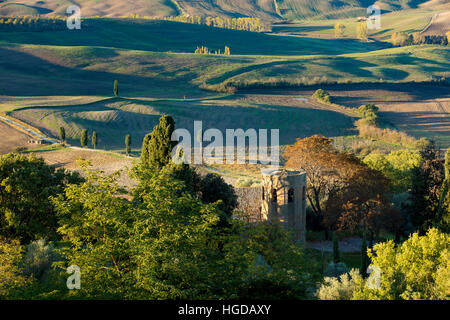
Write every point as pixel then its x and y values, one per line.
pixel 284 200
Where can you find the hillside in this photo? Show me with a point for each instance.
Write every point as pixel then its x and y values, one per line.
pixel 273 10
pixel 155 8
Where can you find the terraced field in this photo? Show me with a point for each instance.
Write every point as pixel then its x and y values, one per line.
pixel 439 25
pixel 113 119
pixel 418 109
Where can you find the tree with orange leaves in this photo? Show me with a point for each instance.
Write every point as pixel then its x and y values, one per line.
pixel 325 169
pixel 344 193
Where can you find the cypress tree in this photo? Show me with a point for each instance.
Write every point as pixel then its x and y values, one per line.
pixel 84 138
pixel 364 257
pixel 128 144
pixel 94 139
pixel 157 147
pixel 116 88
pixel 442 220
pixel 336 253
pixel 62 134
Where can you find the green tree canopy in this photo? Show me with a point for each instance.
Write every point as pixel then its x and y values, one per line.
pixel 417 269
pixel 157 146
pixel 26 184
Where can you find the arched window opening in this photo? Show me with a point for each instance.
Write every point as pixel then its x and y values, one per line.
pixel 291 195
pixel 274 195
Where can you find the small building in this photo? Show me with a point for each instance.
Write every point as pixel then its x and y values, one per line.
pixel 38 141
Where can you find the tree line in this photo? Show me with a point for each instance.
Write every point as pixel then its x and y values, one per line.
pixel 205 50
pixel 32 24
pixel 245 24
pixel 402 39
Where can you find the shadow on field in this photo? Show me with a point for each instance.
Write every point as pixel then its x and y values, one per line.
pixel 113 120
pixel 24 74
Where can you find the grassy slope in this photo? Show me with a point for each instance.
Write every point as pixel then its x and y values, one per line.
pixel 111 8
pixel 156 35
pixel 410 21
pixel 160 8
pixel 83 63
pixel 325 9
pixel 145 56
pixel 113 119
pixel 415 63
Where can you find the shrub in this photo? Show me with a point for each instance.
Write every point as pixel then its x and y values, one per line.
pixel 416 269
pixel 322 95
pixel 339 288
pixel 39 258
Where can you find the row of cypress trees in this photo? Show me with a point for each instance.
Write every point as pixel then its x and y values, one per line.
pixel 94 139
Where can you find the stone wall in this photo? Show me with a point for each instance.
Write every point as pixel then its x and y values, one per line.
pixel 249 203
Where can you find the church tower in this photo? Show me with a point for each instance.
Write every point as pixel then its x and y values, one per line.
pixel 284 200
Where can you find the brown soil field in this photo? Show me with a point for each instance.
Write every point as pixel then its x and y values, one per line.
pixel 421 110
pixel 12 138
pixel 67 158
pixel 440 24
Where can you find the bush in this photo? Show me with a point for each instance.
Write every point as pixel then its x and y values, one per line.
pixel 339 288
pixel 39 258
pixel 322 95
pixel 416 269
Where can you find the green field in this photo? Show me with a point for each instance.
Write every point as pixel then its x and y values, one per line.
pixel 114 118
pixel 62 78
pixel 410 21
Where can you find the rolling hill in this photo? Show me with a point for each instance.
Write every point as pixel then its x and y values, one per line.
pixel 273 10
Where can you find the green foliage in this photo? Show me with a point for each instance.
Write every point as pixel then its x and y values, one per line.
pixel 336 253
pixel 157 146
pixel 167 246
pixel 26 183
pixel 334 288
pixel 84 138
pixel 11 279
pixel 339 30
pixel 205 50
pixel 94 139
pixel 128 144
pixel 442 220
pixel 246 24
pixel 116 88
pixel 416 269
pixel 322 96
pixel 419 39
pixel 398 167
pixel 369 113
pixel 62 134
pixel 362 32
pixel 364 258
pixel 38 259
pixel 426 191
pixel 213 189
pixel 368 130
pixel 401 39
pixel 31 24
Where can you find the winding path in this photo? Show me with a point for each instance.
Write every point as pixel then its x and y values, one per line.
pixel 30 131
